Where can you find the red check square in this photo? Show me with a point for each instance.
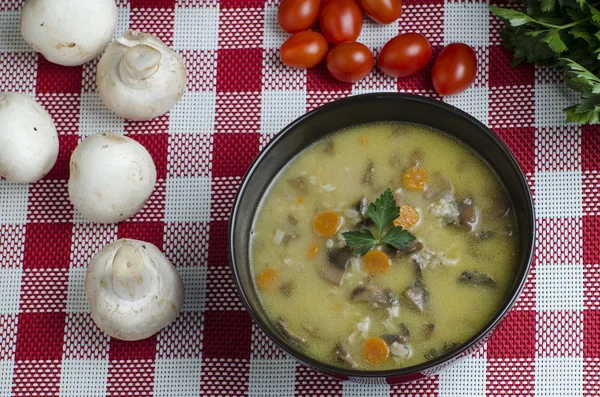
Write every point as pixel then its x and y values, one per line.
pixel 44 253
pixel 239 70
pixel 501 343
pixel 53 78
pixel 233 153
pixel 40 336
pixel 227 334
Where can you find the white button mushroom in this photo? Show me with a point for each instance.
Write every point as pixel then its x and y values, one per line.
pixel 69 32
pixel 139 77
pixel 111 177
pixel 133 290
pixel 28 139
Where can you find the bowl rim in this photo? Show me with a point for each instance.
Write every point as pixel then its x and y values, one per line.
pixel 428 365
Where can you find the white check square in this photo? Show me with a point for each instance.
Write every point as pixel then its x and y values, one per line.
pixel 550 100
pixel 464 378
pixel 10 290
pixel 83 378
pixel 558 194
pixel 474 100
pixel 466 22
pixel 188 199
pixel 559 286
pixel 375 35
pixel 194 113
pixel 177 377
pixel 272 377
pixel 6 377
pixel 76 299
pixel 196 29
pixel 558 376
pixel 273 36
pixel 13 202
pixel 278 109
pixel 123 15
pixel 10 32
pixel 95 117
pixel 194 281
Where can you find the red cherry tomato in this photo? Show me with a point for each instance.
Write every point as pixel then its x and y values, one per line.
pixel 298 15
pixel 454 69
pixel 405 55
pixel 350 62
pixel 304 50
pixel 341 21
pixel 382 11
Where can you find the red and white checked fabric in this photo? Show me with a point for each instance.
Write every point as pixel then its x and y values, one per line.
pixel 239 95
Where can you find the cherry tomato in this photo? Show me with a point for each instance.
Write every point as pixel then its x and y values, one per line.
pixel 350 62
pixel 341 21
pixel 405 55
pixel 298 15
pixel 382 11
pixel 454 69
pixel 304 50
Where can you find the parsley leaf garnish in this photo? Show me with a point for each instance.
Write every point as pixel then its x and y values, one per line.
pixel 382 212
pixel 361 240
pixel 398 237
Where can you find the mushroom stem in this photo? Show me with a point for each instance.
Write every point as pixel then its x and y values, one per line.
pixel 139 63
pixel 130 280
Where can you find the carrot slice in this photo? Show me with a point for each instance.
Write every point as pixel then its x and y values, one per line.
pixel 313 251
pixel 375 350
pixel 415 178
pixel 327 223
pixel 376 262
pixel 300 199
pixel 267 280
pixel 408 217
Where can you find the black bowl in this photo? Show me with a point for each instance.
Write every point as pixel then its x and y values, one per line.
pixel 360 109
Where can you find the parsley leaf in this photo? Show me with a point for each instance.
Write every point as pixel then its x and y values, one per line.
pixel 564 34
pixel 361 240
pixel 514 17
pixel 554 41
pixel 398 237
pixel 383 211
pixel 578 74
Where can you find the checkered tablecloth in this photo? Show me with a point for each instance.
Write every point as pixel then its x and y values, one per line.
pixel 239 96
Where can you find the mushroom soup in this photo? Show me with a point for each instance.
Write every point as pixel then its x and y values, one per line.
pixel 383 246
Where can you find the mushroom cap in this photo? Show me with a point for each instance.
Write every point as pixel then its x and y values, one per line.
pixel 111 177
pixel 144 99
pixel 129 319
pixel 69 32
pixel 28 139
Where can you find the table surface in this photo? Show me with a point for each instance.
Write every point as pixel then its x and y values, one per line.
pixel 239 95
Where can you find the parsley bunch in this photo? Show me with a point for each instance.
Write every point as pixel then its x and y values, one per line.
pixel 564 34
pixel 382 212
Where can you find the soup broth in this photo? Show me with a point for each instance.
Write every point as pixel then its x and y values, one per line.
pixel 396 307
